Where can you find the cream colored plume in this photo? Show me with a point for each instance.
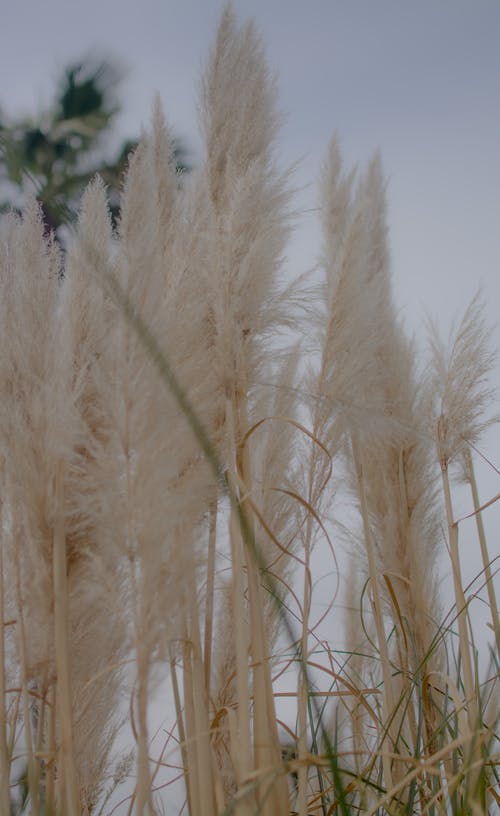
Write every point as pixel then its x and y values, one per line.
pixel 461 381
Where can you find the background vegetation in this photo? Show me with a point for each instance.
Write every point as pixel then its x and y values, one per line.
pixel 55 155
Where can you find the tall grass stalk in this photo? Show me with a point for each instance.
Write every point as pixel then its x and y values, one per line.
pixel 4 752
pixel 490 586
pixel 68 787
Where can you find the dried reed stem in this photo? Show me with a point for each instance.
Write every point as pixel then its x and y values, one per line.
pixel 460 601
pixel 50 774
pixel 303 691
pixel 195 792
pixel 209 594
pixel 180 726
pixel 266 743
pixel 21 647
pixel 143 784
pixel 241 637
pixel 68 791
pixel 471 702
pixel 388 706
pixel 490 586
pixel 201 734
pixel 4 753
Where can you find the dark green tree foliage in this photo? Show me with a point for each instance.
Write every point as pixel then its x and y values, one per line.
pixel 57 153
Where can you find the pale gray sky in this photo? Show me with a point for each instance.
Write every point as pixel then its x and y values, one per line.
pixel 419 80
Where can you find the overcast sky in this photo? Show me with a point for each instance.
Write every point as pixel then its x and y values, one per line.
pixel 419 80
